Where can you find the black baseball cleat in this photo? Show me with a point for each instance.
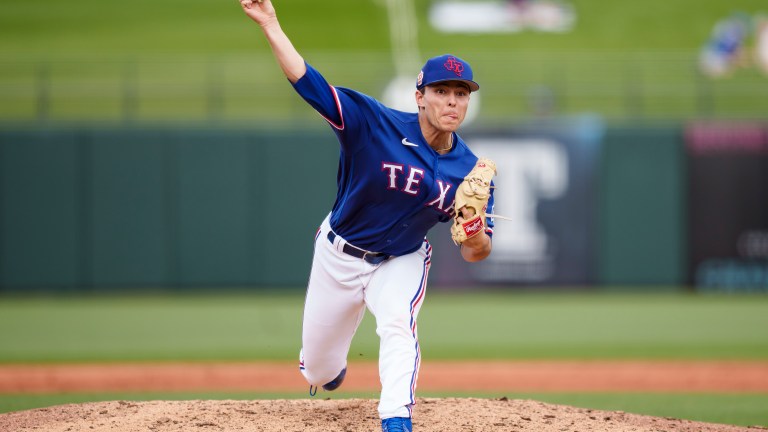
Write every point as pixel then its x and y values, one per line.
pixel 333 385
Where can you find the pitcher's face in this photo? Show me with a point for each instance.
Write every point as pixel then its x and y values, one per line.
pixel 444 104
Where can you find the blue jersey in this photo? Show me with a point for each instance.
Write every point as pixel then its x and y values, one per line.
pixel 392 186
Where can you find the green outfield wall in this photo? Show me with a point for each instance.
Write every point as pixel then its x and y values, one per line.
pixel 96 209
pixel 100 209
pixel 642 207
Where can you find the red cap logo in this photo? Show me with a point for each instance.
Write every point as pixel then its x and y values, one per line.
pixel 454 65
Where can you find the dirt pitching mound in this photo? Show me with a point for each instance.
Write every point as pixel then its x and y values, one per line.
pixel 347 415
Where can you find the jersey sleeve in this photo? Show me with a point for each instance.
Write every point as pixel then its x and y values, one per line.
pixel 347 111
pixel 489 221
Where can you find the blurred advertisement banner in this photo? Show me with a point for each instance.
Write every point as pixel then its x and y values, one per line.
pixel 502 16
pixel 728 206
pixel 531 170
pixel 546 184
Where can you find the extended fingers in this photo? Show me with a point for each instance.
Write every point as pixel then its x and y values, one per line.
pixel 465 214
pixel 248 3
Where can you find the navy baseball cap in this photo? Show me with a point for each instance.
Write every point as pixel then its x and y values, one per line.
pixel 446 68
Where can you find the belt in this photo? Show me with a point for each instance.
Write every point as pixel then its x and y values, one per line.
pixel 369 257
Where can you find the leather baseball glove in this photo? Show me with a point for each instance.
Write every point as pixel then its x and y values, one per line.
pixel 473 193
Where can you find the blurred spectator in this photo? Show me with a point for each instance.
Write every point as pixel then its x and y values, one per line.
pixel 761 43
pixel 725 49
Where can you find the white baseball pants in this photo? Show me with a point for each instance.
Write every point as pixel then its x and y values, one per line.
pixel 339 290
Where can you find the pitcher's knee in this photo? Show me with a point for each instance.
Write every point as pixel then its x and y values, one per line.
pixel 318 373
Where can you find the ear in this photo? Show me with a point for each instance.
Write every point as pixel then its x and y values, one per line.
pixel 419 99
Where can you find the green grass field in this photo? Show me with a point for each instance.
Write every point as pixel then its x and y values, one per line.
pixel 489 325
pixel 217 27
pixel 203 60
pixel 451 326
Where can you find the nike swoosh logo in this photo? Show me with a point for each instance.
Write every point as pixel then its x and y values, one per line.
pixel 407 143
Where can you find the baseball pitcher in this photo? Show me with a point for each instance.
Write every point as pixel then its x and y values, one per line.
pixel 399 175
